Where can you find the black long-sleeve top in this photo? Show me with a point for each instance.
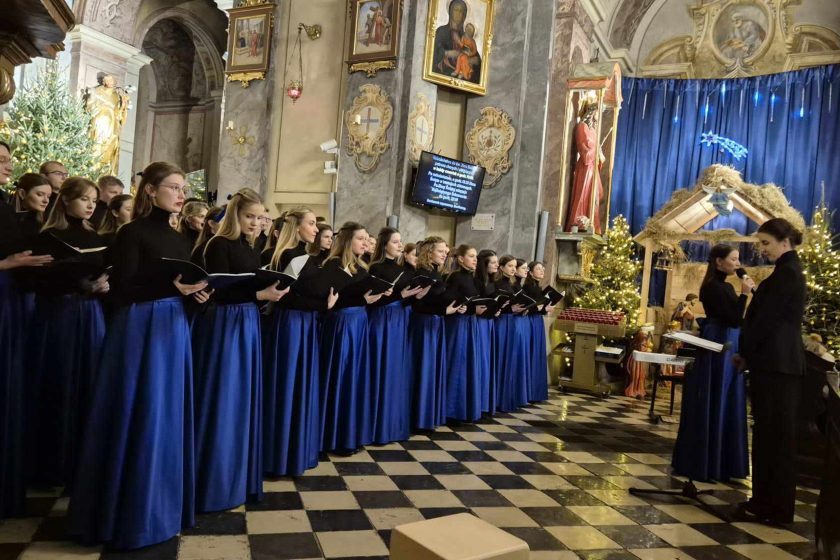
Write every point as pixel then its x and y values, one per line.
pixel 29 224
pixel 533 291
pixel 299 297
pixel 227 256
pixel 191 235
pixel 99 214
pixel 461 284
pixel 387 270
pixel 435 302
pixel 771 336
pixel 721 303
pixel 11 239
pixel 288 255
pixel 197 253
pixel 505 285
pixel 321 256
pixel 51 280
pixel 347 297
pixel 137 251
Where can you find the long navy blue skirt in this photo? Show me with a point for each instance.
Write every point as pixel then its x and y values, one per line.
pixel 538 366
pixel 227 357
pixel 291 393
pixel 712 439
pixel 427 349
pixel 467 364
pixel 512 334
pixel 347 385
pixel 487 333
pixel 390 370
pixel 65 340
pixel 12 487
pixel 135 478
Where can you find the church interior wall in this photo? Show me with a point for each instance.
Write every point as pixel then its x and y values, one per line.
pixel 296 169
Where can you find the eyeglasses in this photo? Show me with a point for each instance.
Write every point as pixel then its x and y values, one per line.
pixel 62 174
pixel 176 188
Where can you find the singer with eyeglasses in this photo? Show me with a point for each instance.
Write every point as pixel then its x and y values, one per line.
pixel 712 439
pixel 771 349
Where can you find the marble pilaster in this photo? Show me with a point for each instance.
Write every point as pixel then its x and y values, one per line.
pixel 518 84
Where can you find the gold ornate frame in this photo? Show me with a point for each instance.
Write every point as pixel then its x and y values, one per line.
pixel 371 63
pixel 247 73
pixel 423 110
pixel 366 147
pixel 487 36
pixel 491 149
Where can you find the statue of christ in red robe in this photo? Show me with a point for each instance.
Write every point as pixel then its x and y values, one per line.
pixel 587 177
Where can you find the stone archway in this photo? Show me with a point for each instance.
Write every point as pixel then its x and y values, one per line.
pixel 179 94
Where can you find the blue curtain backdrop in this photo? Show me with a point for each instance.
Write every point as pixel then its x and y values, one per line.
pixel 789 122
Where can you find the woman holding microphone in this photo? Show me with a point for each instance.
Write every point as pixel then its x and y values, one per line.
pixel 771 349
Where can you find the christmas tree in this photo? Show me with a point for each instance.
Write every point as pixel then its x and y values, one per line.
pixel 821 261
pixel 46 123
pixel 615 275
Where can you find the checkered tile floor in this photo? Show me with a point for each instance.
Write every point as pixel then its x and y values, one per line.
pixel 555 474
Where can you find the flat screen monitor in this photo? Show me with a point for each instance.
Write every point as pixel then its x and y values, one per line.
pixel 447 184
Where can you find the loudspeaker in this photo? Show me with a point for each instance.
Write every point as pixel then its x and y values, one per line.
pixel 393 221
pixel 542 230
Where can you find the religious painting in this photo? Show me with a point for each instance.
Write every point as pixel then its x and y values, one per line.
pixel 249 42
pixel 740 30
pixel 374 34
pixel 458 40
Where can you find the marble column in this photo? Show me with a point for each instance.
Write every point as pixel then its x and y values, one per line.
pixel 90 52
pixel 517 84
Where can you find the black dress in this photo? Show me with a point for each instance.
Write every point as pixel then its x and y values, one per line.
pixel 771 344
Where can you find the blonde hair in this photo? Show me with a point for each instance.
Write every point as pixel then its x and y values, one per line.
pixel 425 250
pixel 230 229
pixel 289 237
pixel 153 175
pixel 342 248
pixel 71 189
pixel 193 208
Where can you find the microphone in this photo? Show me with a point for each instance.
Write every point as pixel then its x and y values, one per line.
pixel 742 273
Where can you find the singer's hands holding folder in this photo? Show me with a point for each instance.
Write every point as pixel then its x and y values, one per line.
pixel 189 289
pixel 332 299
pixel 97 286
pixel 271 293
pixel 408 292
pixel 369 298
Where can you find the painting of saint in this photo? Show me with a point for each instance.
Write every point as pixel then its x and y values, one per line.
pixel 457 57
pixel 250 41
pixel 375 25
pixel 740 31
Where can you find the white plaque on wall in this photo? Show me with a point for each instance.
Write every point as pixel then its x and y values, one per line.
pixel 483 222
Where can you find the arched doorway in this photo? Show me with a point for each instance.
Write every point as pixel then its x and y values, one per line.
pixel 179 96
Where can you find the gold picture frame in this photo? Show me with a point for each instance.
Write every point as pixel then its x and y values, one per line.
pixel 249 42
pixel 374 35
pixel 459 40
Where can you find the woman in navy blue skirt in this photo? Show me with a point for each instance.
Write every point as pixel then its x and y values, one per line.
pixel 389 363
pixel 347 385
pixel 486 270
pixel 291 375
pixel 467 351
pixel 134 481
pixel 427 339
pixel 12 256
pixel 512 334
pixel 712 439
pixel 538 371
pixel 66 336
pixel 227 358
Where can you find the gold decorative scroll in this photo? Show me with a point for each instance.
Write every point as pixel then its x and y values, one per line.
pixel 489 143
pixel 421 128
pixel 371 68
pixel 367 123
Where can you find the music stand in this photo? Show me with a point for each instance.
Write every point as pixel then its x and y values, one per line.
pixel 689 489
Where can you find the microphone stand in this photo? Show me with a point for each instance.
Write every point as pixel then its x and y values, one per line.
pixel 688 490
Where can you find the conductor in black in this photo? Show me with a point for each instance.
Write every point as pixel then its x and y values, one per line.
pixel 772 350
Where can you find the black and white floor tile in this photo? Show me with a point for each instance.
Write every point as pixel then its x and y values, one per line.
pixel 555 474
